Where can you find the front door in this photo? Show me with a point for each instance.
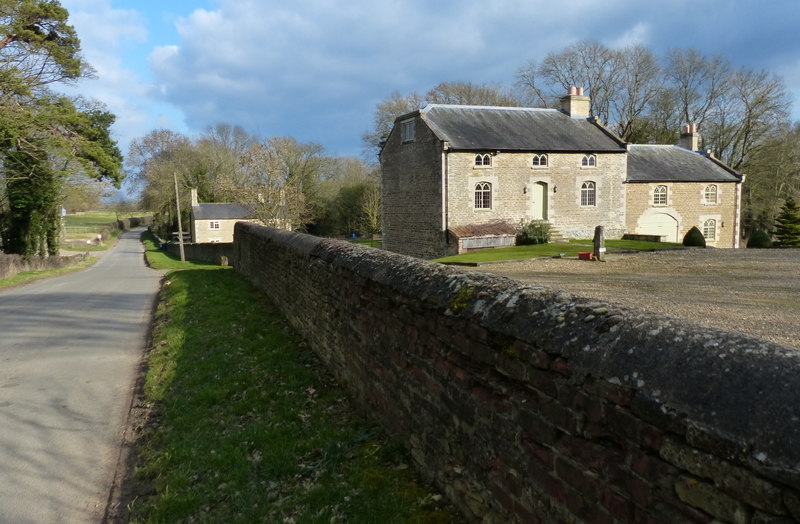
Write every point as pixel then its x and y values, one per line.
pixel 539 201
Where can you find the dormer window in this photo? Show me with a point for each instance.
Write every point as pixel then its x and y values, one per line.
pixel 483 160
pixel 589 161
pixel 540 160
pixel 407 130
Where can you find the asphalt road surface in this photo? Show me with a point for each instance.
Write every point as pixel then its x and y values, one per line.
pixel 69 351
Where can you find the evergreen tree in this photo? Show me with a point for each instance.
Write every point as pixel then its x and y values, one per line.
pixel 787 224
pixel 43 137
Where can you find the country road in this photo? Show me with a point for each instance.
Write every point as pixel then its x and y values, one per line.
pixel 69 351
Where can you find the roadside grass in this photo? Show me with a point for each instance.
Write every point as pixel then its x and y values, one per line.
pixel 28 276
pixel 248 426
pixel 158 259
pixel 550 250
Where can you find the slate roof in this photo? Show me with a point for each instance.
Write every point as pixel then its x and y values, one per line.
pixel 517 129
pixel 657 163
pixel 220 211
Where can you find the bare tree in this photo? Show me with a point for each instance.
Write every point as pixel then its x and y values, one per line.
pixel 467 93
pixel 639 85
pixel 699 82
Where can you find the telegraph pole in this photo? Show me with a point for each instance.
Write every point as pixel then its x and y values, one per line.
pixel 178 205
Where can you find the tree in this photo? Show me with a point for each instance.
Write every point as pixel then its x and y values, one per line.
pixel 44 138
pixel 280 181
pixel 787 224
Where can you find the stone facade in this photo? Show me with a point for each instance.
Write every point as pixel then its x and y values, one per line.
pixel 524 404
pixel 412 181
pixel 521 192
pixel 432 176
pixel 686 207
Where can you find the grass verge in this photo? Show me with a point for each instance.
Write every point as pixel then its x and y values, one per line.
pixel 158 259
pixel 550 250
pixel 248 426
pixel 28 276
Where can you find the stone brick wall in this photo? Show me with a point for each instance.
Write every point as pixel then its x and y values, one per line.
pixel 685 203
pixel 411 185
pixel 513 177
pixel 524 404
pixel 10 265
pixel 209 252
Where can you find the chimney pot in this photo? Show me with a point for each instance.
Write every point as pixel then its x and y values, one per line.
pixel 580 91
pixel 573 91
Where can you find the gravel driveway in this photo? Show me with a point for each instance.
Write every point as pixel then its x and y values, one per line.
pixel 755 291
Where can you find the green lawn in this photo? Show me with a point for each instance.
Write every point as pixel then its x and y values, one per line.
pixel 550 250
pixel 250 427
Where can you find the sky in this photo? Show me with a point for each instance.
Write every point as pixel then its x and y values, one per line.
pixel 316 69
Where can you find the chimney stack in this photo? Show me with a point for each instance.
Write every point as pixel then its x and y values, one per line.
pixel 690 138
pixel 575 104
pixel 194 196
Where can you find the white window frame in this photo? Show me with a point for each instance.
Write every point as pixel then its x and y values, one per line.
pixel 407 130
pixel 711 190
pixel 589 161
pixel 540 161
pixel 213 225
pixel 589 194
pixel 483 195
pixel 660 196
pixel 710 230
pixel 483 160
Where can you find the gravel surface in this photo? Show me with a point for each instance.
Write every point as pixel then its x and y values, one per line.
pixel 754 291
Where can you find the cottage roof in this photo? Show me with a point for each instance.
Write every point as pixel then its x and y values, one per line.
pixel 220 211
pixel 659 163
pixel 517 129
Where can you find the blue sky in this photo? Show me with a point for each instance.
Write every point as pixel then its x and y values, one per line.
pixel 316 69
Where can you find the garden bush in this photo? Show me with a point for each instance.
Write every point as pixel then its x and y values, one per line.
pixel 759 239
pixel 533 232
pixel 694 238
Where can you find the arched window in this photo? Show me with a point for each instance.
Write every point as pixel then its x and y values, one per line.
pixel 483 195
pixel 710 194
pixel 589 161
pixel 660 196
pixel 540 160
pixel 483 160
pixel 710 229
pixel 588 194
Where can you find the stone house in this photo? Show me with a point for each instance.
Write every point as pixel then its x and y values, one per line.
pixel 456 178
pixel 214 222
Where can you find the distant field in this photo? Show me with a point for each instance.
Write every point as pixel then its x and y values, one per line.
pixel 96 220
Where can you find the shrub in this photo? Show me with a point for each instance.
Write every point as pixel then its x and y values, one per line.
pixel 694 238
pixel 533 232
pixel 759 239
